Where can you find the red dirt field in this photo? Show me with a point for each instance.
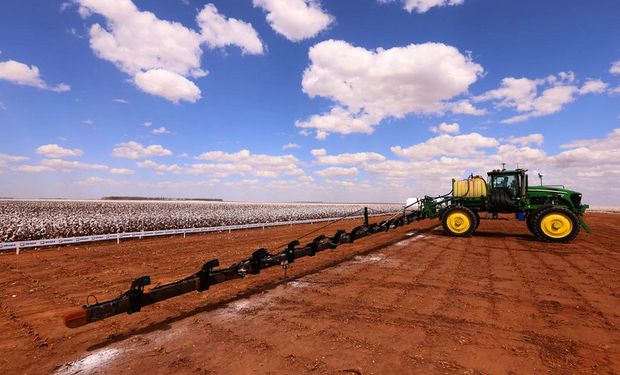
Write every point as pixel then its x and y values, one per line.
pixel 407 301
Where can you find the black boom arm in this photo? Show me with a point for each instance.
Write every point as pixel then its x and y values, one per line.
pixel 137 297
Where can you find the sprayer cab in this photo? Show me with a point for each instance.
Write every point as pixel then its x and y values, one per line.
pixel 507 190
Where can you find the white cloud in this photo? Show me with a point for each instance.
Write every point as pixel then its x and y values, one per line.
pixel 368 86
pixel 219 31
pixel 22 74
pixel 223 164
pixel 56 165
pixel 32 168
pixel 167 84
pixel 422 6
pixel 332 172
pixel 147 124
pixel 521 94
pixel 70 166
pixel 447 145
pixel 56 151
pixel 321 157
pixel 88 122
pixel 615 67
pixel 64 6
pixel 222 169
pixel 531 139
pixel 124 171
pixel 615 90
pixel 598 153
pixel 99 181
pixel 120 101
pixel 593 86
pixel 162 55
pixel 2 106
pixel 290 145
pixel 445 128
pixel 465 107
pixel 150 164
pixel 135 150
pixel 160 130
pixel 12 158
pixel 258 164
pixel 295 19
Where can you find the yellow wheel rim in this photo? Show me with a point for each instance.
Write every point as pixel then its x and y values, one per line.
pixel 556 225
pixel 458 222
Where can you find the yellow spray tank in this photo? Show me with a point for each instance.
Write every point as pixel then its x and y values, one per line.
pixel 473 187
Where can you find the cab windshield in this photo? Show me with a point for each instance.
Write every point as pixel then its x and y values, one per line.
pixel 507 182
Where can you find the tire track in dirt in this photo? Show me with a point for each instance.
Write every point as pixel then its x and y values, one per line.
pixel 590 276
pixel 574 290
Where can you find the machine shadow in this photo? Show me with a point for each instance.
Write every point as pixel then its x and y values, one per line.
pixel 267 286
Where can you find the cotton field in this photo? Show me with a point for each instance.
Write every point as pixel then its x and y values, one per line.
pixel 22 220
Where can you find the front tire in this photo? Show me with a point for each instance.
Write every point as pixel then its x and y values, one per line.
pixel 459 221
pixel 556 224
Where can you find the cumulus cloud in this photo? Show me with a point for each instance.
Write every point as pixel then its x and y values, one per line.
pixel 219 31
pixel 124 171
pixel 447 145
pixel 332 172
pixel 99 181
pixel 224 164
pixel 167 84
pixel 295 19
pixel 368 86
pixel 160 130
pixel 70 166
pixel 150 164
pixel 445 128
pixel 32 168
pixel 162 55
pixel 12 158
pixel 521 94
pixel 465 107
pixel 593 86
pixel 321 157
pixel 58 165
pixel 615 67
pixel 22 74
pixel 88 122
pixel 531 139
pixel 422 6
pixel 135 150
pixel 55 151
pixel 290 145
pixel 260 165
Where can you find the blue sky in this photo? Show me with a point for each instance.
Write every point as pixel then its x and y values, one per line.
pixel 367 100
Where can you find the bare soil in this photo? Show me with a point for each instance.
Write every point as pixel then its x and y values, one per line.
pixel 407 301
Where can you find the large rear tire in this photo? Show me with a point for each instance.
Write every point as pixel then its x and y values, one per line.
pixel 556 224
pixel 459 221
pixel 530 222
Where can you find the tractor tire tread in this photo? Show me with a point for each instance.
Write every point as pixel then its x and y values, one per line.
pixel 468 212
pixel 545 211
